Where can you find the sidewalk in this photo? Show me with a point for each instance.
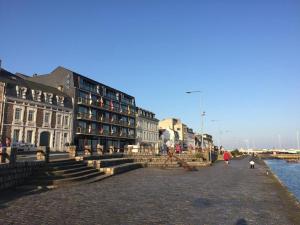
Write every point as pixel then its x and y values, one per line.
pixel 213 195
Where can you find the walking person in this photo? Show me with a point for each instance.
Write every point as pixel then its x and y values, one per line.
pixel 252 163
pixel 226 157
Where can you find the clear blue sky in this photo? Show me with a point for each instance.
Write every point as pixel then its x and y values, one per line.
pixel 243 55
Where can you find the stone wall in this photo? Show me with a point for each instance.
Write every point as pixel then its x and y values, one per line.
pixel 12 175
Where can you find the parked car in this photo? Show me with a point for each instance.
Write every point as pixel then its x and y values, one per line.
pixel 23 146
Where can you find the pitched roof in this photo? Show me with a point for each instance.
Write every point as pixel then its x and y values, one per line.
pixel 11 78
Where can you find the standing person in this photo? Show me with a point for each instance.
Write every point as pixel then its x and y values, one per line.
pixel 226 157
pixel 177 148
pixel 252 163
pixel 7 141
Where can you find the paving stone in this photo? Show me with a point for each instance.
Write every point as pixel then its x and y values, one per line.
pixel 219 195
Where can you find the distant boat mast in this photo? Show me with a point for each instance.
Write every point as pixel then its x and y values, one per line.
pixel 298 146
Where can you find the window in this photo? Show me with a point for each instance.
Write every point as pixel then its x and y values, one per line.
pixel 66 121
pixel 58 121
pixel 47 118
pixel 29 136
pixel 16 135
pixel 83 109
pixel 18 114
pixel 65 140
pixel 84 84
pixel 30 115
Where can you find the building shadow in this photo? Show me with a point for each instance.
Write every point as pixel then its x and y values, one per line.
pixel 11 194
pixel 241 222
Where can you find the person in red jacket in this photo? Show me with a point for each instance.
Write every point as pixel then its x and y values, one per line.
pixel 226 157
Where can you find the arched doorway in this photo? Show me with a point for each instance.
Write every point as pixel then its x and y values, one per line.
pixel 45 138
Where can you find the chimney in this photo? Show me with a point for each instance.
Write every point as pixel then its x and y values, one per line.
pixel 60 87
pixel 0 64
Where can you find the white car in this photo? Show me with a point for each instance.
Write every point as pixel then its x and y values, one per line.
pixel 23 146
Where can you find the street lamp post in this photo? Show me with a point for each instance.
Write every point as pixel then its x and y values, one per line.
pixel 202 121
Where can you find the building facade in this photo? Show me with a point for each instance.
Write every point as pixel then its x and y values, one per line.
pixel 34 113
pixel 2 85
pixel 207 141
pixel 147 134
pixel 189 140
pixel 168 135
pixel 102 115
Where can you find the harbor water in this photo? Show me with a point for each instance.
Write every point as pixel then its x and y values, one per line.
pixel 288 173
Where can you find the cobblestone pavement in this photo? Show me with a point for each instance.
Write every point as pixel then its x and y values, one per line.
pixel 218 195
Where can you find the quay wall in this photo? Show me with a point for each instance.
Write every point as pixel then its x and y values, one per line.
pixel 279 156
pixel 12 175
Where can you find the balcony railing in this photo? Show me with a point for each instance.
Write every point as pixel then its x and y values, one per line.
pixel 116 109
pixel 87 131
pixel 91 117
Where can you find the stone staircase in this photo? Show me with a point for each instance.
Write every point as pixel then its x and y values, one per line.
pixel 65 172
pixel 87 170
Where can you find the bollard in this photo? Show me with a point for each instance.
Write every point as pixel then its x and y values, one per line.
pixel 87 150
pixel 72 151
pixel 100 149
pixel 111 149
pixel 43 153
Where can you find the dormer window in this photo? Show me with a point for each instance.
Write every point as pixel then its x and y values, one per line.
pixel 21 92
pixel 60 100
pixel 48 97
pixel 18 90
pixel 36 95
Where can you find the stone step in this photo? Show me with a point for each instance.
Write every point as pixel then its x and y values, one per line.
pixel 114 162
pixel 120 168
pixel 64 181
pixel 96 179
pixel 70 170
pixel 56 175
pixel 66 166
pixel 58 163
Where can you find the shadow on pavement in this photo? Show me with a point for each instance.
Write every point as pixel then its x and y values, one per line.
pixel 12 194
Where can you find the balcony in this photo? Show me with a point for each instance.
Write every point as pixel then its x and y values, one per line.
pixel 90 117
pixel 86 116
pixel 116 109
pixel 105 133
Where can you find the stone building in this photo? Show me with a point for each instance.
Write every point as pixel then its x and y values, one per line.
pixel 147 134
pixel 189 140
pixel 168 135
pixel 34 113
pixel 207 141
pixel 102 115
pixel 2 85
pixel 185 134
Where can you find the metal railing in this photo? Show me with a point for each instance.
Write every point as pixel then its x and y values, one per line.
pixel 116 109
pixel 91 117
